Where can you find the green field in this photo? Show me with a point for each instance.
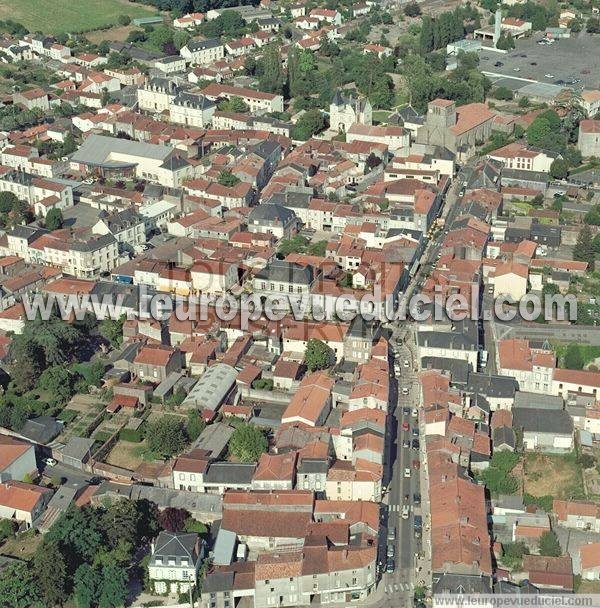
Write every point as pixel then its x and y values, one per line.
pixel 63 16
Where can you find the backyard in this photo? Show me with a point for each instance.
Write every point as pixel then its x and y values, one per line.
pixel 552 475
pixel 63 16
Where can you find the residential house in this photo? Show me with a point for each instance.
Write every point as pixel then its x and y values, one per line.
pixel 175 558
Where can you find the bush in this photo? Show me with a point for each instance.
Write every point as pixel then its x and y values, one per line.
pixel 502 93
pixel 265 384
pixel 133 435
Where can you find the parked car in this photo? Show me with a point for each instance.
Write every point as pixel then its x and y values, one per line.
pixel 417 498
pixel 405 426
pixel 407 473
pixel 498 64
pixel 415 431
pixel 50 462
pixel 415 413
pixel 416 464
pixel 415 444
pixel 391 534
pixel 405 443
pixel 405 511
pixel 391 550
pixel 390 565
pixel 406 411
pixel 404 390
pixel 406 363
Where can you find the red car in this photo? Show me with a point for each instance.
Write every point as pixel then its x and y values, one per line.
pixel 405 426
pixel 416 464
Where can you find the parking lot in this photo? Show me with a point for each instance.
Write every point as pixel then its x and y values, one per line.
pixel 568 59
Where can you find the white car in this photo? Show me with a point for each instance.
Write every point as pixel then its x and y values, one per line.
pixel 405 512
pixel 414 412
pixel 406 363
pixel 549 76
pixel 407 473
pixel 50 462
pixel 404 390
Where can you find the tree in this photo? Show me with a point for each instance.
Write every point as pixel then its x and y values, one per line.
pixel 426 38
pixel 59 382
pixel 195 425
pixel 172 519
pixel 271 76
pixel 412 10
pixel 512 554
pixel 124 19
pixel 318 355
pixel 78 533
pixel 228 179
pixel 524 102
pixel 50 574
pixel 593 25
pixel 583 250
pixel 502 93
pixel 86 583
pixel 180 39
pixel 113 589
pixel 112 330
pixel 17 586
pixel 166 436
pixel 549 545
pixel 573 357
pixel 309 124
pixel 497 476
pixel 559 169
pixel 505 42
pixel 235 104
pixel 121 522
pixel 247 443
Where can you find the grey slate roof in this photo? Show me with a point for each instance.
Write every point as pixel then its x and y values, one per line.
pixel 524 399
pixel 503 435
pixel 193 100
pixel 287 272
pixel 537 420
pixel 273 213
pixel 458 368
pixel 175 546
pixel 202 45
pixel 503 387
pixel 234 473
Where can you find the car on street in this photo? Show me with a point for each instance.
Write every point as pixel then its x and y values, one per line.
pixel 414 412
pixel 50 462
pixel 405 444
pixel 533 63
pixel 498 64
pixel 391 550
pixel 391 534
pixel 407 473
pixel 390 565
pixel 416 464
pixel 415 431
pixel 516 69
pixel 415 444
pixel 404 390
pixel 550 76
pixel 417 498
pixel 405 426
pixel 405 511
pixel 406 363
pixel 406 411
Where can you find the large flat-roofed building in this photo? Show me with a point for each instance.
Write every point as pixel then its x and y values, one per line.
pixel 112 156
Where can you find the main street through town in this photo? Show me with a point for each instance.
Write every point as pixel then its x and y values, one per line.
pixel 405 550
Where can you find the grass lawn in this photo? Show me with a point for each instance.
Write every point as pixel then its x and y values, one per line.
pixel 22 547
pixel 126 454
pixel 381 115
pixel 58 16
pixel 553 475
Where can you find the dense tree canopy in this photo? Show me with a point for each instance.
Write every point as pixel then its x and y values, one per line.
pixel 318 355
pixel 247 443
